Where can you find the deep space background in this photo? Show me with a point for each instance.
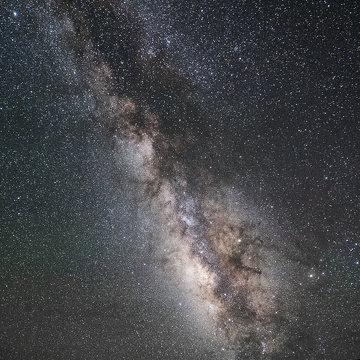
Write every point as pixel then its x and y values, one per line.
pixel 258 100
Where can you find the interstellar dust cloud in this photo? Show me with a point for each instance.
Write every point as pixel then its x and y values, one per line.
pixel 206 241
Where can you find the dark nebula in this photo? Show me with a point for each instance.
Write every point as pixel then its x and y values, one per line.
pixel 179 180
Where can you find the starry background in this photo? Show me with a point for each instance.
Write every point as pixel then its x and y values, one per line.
pixel 273 102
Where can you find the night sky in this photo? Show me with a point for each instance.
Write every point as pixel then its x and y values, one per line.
pixel 179 180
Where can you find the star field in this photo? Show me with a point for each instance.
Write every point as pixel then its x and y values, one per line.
pixel 179 180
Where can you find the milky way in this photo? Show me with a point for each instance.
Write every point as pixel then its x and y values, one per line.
pixel 197 233
pixel 206 241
